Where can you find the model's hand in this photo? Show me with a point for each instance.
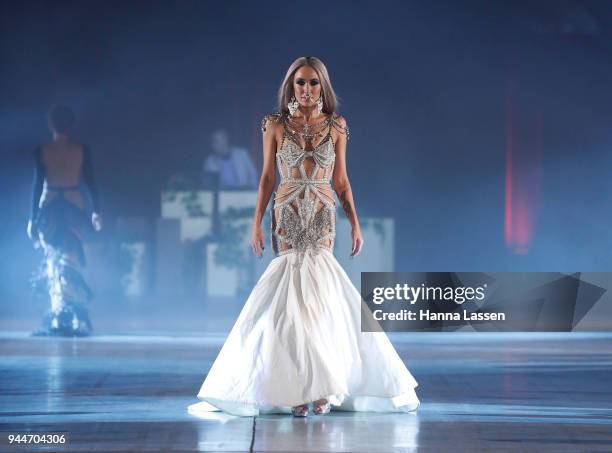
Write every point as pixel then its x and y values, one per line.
pixel 96 221
pixel 257 241
pixel 29 229
pixel 357 242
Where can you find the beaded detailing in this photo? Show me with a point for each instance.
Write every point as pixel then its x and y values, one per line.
pixel 287 122
pixel 304 215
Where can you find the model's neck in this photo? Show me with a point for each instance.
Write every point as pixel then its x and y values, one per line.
pixel 308 112
pixel 60 138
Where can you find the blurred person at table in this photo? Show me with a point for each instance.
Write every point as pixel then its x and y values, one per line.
pixel 230 165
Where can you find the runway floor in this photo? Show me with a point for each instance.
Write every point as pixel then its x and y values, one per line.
pixel 479 392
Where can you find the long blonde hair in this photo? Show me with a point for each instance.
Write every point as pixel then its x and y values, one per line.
pixel 285 92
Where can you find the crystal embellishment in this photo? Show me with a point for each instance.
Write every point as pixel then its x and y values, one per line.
pixel 304 214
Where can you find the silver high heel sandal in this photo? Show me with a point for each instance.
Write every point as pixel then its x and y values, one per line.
pixel 319 407
pixel 300 411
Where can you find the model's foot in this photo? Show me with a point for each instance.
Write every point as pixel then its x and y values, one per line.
pixel 321 406
pixel 300 411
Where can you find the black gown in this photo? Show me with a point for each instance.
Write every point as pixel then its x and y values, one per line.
pixel 59 216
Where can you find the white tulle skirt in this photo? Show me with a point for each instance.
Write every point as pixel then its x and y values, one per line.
pixel 298 339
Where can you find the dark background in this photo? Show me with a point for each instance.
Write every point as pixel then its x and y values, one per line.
pixel 435 94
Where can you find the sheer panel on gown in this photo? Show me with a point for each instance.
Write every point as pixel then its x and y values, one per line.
pixel 298 338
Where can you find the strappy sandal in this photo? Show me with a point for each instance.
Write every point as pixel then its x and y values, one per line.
pixel 300 411
pixel 321 407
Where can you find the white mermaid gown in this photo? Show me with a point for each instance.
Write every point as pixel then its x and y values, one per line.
pixel 298 338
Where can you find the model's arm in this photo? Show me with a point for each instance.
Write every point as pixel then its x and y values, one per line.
pixel 266 182
pixel 37 186
pixel 90 181
pixel 342 186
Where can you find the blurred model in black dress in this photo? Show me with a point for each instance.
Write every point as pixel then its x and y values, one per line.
pixel 60 216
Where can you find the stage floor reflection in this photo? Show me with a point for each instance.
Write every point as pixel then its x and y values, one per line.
pixel 487 392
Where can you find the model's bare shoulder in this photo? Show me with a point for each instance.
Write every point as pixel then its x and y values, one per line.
pixel 271 120
pixel 340 124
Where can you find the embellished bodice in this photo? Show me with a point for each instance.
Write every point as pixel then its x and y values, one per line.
pixel 303 207
pixel 291 155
